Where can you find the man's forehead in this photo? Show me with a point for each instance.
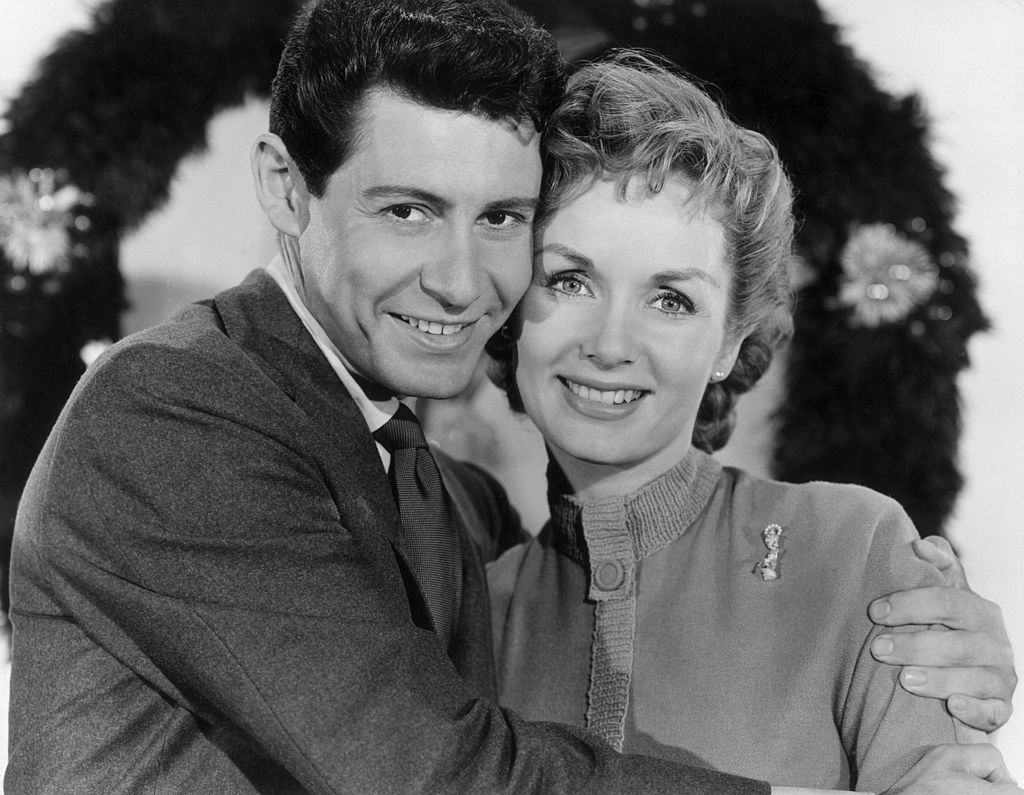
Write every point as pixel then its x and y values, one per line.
pixel 402 141
pixel 381 106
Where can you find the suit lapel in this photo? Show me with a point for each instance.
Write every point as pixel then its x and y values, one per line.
pixel 257 317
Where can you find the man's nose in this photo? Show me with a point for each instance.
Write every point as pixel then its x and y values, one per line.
pixel 610 337
pixel 452 277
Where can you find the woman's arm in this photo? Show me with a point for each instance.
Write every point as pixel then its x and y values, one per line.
pixel 885 729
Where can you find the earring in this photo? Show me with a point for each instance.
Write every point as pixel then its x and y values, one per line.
pixel 717 376
pixel 506 332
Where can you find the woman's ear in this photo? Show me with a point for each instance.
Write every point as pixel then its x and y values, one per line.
pixel 727 358
pixel 279 186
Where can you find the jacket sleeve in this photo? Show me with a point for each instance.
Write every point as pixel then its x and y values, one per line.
pixel 179 518
pixel 885 728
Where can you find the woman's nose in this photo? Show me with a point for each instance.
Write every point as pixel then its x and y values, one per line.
pixel 611 338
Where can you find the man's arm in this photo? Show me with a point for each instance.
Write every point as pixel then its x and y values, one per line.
pixel 217 548
pixel 963 769
pixel 965 657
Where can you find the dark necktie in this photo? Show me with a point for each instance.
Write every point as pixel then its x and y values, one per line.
pixel 431 537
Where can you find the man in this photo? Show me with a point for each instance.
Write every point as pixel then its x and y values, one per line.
pixel 213 585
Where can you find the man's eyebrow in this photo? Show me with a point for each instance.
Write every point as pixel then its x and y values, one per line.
pixel 571 254
pixel 684 274
pixel 406 192
pixel 521 204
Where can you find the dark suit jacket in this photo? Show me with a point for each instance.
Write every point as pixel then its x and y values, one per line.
pixel 210 592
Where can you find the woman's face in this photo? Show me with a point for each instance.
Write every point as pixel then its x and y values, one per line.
pixel 622 328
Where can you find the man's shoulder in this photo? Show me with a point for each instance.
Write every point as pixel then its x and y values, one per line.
pixel 209 330
pixel 171 351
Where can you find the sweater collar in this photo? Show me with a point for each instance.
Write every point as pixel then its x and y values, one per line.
pixel 654 515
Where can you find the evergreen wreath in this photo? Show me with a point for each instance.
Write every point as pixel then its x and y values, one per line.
pixel 887 302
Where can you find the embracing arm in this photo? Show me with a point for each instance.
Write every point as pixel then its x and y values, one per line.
pixel 964 656
pixel 188 525
pixel 964 769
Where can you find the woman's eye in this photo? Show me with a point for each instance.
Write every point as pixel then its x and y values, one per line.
pixel 674 304
pixel 568 284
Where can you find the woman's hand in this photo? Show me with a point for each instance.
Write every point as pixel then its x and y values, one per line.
pixel 964 657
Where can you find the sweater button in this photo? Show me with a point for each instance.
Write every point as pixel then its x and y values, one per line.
pixel 609 575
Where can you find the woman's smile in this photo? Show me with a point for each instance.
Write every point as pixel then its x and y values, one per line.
pixel 611 396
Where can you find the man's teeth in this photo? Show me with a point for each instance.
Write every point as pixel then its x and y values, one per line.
pixel 433 327
pixel 610 396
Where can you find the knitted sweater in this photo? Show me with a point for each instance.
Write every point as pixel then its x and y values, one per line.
pixel 665 622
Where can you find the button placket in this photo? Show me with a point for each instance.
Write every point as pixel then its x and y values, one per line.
pixel 612 587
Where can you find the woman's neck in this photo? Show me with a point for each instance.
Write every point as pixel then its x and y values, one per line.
pixel 591 481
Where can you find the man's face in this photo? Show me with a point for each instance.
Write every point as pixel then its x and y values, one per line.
pixel 421 245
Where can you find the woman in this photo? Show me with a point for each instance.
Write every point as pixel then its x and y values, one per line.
pixel 673 606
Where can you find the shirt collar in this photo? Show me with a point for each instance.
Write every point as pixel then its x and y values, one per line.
pixel 375 412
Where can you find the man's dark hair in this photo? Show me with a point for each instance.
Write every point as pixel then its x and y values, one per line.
pixel 480 56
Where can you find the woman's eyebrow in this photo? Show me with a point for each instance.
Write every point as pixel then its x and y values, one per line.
pixel 684 274
pixel 571 254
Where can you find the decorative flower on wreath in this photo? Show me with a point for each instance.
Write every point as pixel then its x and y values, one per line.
pixel 885 275
pixel 36 216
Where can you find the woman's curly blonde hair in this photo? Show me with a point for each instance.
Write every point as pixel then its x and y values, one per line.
pixel 637 121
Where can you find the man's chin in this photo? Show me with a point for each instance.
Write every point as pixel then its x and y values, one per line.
pixel 430 380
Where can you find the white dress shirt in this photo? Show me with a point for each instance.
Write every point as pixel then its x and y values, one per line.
pixel 375 412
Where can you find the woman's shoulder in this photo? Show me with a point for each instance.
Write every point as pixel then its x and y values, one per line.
pixel 838 519
pixel 503 572
pixel 840 544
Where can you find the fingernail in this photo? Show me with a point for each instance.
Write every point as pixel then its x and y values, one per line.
pixel 880 609
pixel 913 677
pixel 882 646
pixel 957 703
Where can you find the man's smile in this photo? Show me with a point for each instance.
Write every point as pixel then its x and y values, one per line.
pixel 433 326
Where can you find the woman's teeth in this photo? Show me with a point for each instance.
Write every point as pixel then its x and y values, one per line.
pixel 610 396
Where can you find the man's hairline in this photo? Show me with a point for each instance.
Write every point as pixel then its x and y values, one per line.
pixel 380 86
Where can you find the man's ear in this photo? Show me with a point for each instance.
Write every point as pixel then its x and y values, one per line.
pixel 279 186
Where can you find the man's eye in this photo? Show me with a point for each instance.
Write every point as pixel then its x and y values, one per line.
pixel 406 212
pixel 501 218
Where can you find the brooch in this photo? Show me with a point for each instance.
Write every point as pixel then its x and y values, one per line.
pixel 769 567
